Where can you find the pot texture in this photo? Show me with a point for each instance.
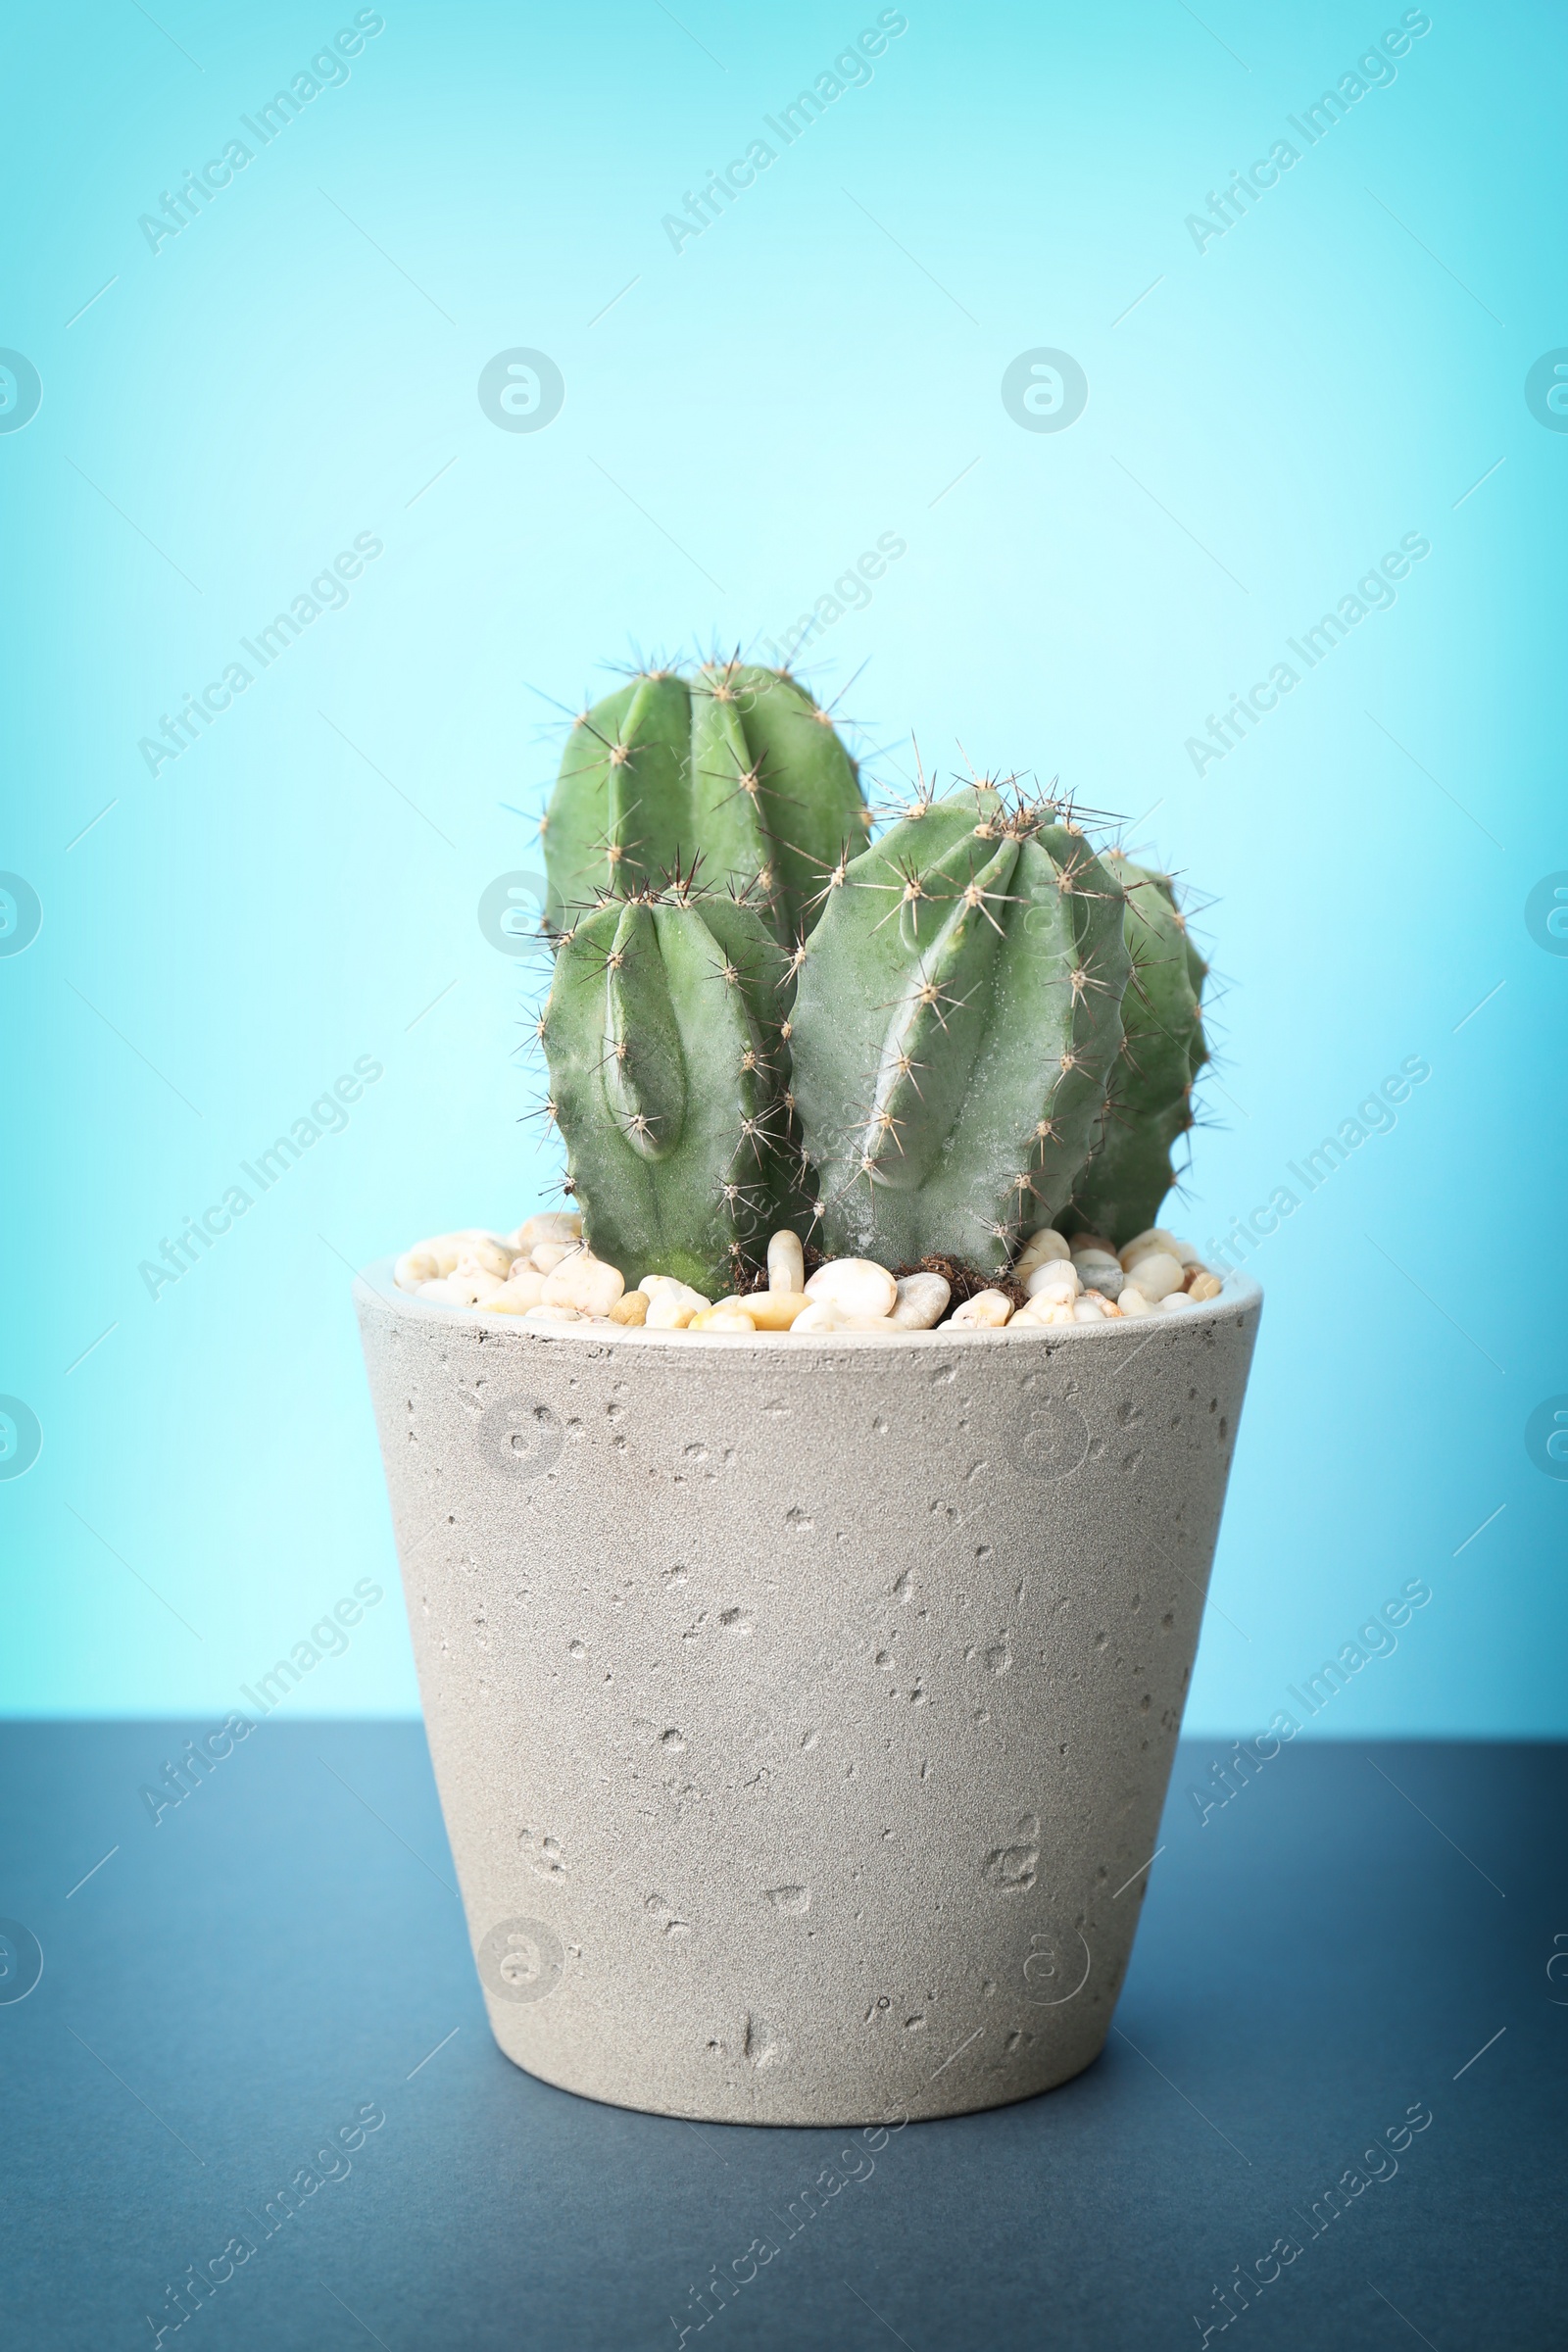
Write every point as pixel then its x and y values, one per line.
pixel 803 1710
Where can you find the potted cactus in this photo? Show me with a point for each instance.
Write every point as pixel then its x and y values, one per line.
pixel 804 1571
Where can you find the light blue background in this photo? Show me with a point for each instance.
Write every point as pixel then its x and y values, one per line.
pixel 300 365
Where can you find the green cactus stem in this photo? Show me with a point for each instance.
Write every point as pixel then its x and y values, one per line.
pixel 1148 1098
pixel 957 1016
pixel 737 769
pixel 662 1039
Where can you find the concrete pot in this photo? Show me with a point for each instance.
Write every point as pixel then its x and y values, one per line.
pixel 802 1709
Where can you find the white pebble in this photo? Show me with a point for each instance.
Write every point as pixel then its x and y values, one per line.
pixel 987 1310
pixel 437 1287
pixel 552 1225
pixel 550 1318
pixel 1158 1238
pixel 1092 1308
pixel 856 1286
pixel 727 1315
pixel 769 1311
pixel 546 1256
pixel 786 1262
pixel 922 1301
pixel 1058 1278
pixel 1153 1237
pixel 434 1259
pixel 522 1290
pixel 673 1305
pixel 475 1289
pixel 416 1266
pixel 1175 1301
pixel 1203 1287
pixel 1133 1303
pixel 485 1254
pixel 1049 1309
pixel 584 1282
pixel 1158 1273
pixel 1045 1245
pixel 821 1315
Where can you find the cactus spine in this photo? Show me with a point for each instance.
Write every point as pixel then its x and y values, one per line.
pixel 737 770
pixel 956 1017
pixel 1148 1098
pixel 666 1069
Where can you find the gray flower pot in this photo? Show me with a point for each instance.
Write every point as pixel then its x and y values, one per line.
pixel 803 1710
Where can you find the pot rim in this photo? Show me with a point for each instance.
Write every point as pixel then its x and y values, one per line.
pixel 1240 1295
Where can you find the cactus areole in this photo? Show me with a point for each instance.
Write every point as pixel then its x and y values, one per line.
pixel 927 1047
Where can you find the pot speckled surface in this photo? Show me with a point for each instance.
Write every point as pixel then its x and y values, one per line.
pixel 802 1709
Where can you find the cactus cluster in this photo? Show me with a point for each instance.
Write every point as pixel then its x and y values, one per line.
pixel 928 1046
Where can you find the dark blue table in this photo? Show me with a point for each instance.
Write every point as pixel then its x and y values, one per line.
pixel 1358 1939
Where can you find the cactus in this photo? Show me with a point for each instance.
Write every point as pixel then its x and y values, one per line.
pixel 667 1068
pixel 958 1014
pixel 738 769
pixel 991 1029
pixel 1148 1098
